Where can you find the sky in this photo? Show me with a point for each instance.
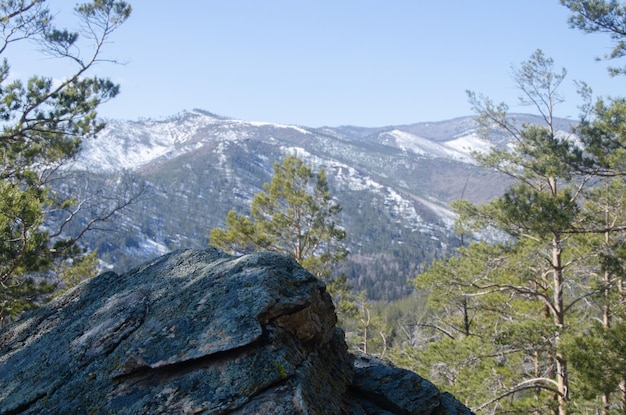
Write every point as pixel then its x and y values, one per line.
pixel 334 62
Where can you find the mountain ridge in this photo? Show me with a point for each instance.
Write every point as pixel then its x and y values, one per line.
pixel 167 137
pixel 394 184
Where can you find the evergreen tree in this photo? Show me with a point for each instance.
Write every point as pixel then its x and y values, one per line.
pixel 538 316
pixel 295 214
pixel 603 225
pixel 540 208
pixel 602 136
pixel 557 265
pixel 43 124
pixel 518 293
pixel 601 16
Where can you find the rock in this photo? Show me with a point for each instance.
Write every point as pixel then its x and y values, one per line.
pixel 378 387
pixel 200 332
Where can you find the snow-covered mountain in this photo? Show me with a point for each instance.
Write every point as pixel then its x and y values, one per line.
pixel 394 184
pixel 134 144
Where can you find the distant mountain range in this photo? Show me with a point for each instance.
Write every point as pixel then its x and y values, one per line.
pixel 394 184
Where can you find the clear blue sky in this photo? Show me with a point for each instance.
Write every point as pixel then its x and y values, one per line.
pixel 339 62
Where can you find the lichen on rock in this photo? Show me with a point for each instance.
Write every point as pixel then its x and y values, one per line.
pixel 200 332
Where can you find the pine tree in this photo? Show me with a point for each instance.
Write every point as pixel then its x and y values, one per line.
pixel 601 16
pixel 540 208
pixel 43 124
pixel 295 214
pixel 602 136
pixel 519 291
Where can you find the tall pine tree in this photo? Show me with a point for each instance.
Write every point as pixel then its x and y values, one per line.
pixel 295 214
pixel 43 123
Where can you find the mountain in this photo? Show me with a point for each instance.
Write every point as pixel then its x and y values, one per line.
pixel 394 184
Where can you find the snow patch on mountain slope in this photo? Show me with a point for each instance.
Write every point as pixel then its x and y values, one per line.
pixel 268 124
pixel 447 216
pixel 467 143
pixel 458 149
pixel 131 145
pixel 395 203
pixel 409 142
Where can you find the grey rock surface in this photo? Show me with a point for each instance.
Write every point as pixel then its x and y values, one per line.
pixel 200 332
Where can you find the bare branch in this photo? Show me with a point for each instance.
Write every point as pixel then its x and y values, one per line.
pixel 433 326
pixel 540 383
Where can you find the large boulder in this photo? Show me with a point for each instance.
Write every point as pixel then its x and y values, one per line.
pixel 200 332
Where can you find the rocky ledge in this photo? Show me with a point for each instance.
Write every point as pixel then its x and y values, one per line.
pixel 200 332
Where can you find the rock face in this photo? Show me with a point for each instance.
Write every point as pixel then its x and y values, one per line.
pixel 200 332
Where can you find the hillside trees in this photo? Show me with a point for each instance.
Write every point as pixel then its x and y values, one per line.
pixel 454 344
pixel 44 121
pixel 603 138
pixel 532 298
pixel 524 296
pixel 538 211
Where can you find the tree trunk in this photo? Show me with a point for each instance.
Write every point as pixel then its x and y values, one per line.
pixel 466 324
pixel 562 379
pixel 537 375
pixel 606 401
pixel 622 388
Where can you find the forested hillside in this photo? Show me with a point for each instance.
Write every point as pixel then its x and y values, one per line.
pixel 394 186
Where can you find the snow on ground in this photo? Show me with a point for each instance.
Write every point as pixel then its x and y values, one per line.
pixel 128 145
pixel 266 124
pixel 409 142
pixel 443 212
pixel 457 149
pixel 352 179
pixel 468 143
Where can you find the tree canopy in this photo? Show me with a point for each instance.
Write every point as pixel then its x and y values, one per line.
pixel 295 214
pixel 601 16
pixel 518 310
pixel 44 121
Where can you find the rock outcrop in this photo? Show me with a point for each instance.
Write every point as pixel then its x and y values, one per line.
pixel 200 332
